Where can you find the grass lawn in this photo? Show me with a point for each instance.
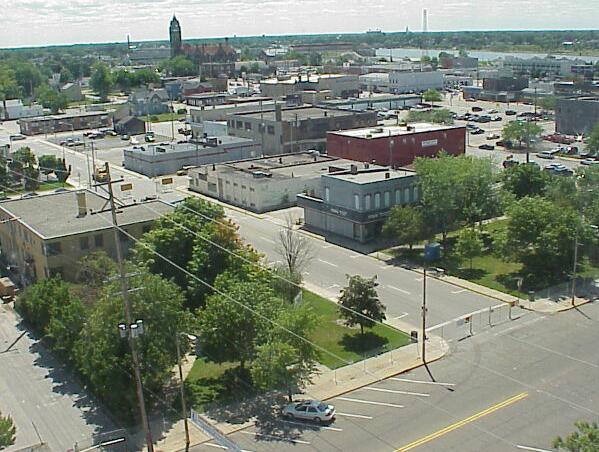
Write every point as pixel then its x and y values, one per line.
pixel 345 342
pixel 163 117
pixel 45 186
pixel 209 382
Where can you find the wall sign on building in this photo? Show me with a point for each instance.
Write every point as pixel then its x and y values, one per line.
pixel 429 143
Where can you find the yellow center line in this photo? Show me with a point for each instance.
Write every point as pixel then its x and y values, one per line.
pixel 452 427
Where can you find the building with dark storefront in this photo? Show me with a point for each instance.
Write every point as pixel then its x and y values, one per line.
pixel 65 123
pixel 396 145
pixel 355 203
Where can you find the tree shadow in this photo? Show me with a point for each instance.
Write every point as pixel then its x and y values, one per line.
pixel 470 273
pixel 363 343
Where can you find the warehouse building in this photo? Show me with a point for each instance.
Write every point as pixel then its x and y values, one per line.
pixel 65 123
pixel 283 131
pixel 168 158
pixel 354 203
pixel 576 116
pixel 264 184
pixel 376 102
pixel 396 145
pixel 414 81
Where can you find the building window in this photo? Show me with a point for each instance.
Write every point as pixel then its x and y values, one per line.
pixel 248 126
pixel 84 243
pixel 377 200
pixel 239 124
pixel 416 194
pixel 243 187
pixel 228 182
pixel 54 248
pixel 146 228
pixel 367 202
pixel 252 189
pixel 57 271
pixel 356 202
pixel 387 199
pixel 326 194
pixel 398 197
pixel 235 184
pixel 406 196
pixel 98 240
pixel 271 130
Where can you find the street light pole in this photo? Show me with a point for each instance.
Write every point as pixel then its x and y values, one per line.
pixel 575 264
pixel 181 387
pixel 424 317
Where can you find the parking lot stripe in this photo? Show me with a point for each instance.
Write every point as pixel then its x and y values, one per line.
pixel 395 391
pixel 359 416
pixel 406 380
pixel 452 427
pixel 534 449
pixel 321 427
pixel 370 402
pixel 459 291
pixel 399 290
pixel 218 446
pixel 279 438
pixel 327 262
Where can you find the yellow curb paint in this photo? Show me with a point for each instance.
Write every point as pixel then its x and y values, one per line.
pixel 455 426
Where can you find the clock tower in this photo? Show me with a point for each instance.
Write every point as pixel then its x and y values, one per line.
pixel 175 37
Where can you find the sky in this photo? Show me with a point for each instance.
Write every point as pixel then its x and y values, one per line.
pixel 46 22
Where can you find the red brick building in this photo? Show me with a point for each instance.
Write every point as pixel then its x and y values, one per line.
pixel 396 145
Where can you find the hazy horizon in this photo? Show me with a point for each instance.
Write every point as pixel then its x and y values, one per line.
pixel 52 22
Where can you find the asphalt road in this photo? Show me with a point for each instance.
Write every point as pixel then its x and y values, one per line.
pixel 521 383
pixel 39 393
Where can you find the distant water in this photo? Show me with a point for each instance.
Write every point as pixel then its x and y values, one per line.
pixel 480 54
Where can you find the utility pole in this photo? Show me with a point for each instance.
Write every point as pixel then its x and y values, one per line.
pixel 125 294
pixel 94 161
pixel 424 317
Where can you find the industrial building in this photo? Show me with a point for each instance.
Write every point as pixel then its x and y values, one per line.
pixel 414 81
pixel 168 158
pixel 354 203
pixel 340 85
pixel 65 123
pixel 264 184
pixel 286 130
pixel 576 116
pixel 47 235
pixel 544 67
pixel 396 146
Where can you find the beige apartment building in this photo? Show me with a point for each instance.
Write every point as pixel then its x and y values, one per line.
pixel 46 235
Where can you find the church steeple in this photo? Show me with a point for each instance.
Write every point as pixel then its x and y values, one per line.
pixel 175 36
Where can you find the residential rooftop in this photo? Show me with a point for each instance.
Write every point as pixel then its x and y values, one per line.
pixel 392 131
pixel 56 215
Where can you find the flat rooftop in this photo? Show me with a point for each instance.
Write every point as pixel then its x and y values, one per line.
pixel 312 78
pixel 66 116
pixel 173 148
pixel 393 131
pixel 372 175
pixel 291 114
pixel 56 215
pixel 283 166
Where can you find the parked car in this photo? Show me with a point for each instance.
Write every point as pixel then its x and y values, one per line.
pixel 311 410
pixel 134 140
pixel 477 132
pixel 545 155
pixel 511 112
pixel 493 112
pixel 125 137
pixel 17 137
pixel 486 147
pixel 496 118
pixel 589 162
pixel 510 162
pixel 475 108
pixel 471 126
pixel 493 136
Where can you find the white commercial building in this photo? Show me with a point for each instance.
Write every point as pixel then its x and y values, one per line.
pixel 542 67
pixel 414 81
pixel 16 110
pixel 267 183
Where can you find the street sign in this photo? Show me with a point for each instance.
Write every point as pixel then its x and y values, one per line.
pixel 126 187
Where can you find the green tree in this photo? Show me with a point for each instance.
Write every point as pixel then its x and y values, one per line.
pixel 101 80
pixel 104 358
pixel 521 131
pixel 469 244
pixel 437 116
pixel 432 96
pixel 174 235
pixel 524 180
pixel 585 439
pixel 47 163
pixel 362 303
pixel 593 140
pixel 547 102
pixel 273 367
pixel 232 330
pixel 179 66
pixel 52 99
pixel 404 225
pixel 541 237
pixel 7 431
pixel 27 75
